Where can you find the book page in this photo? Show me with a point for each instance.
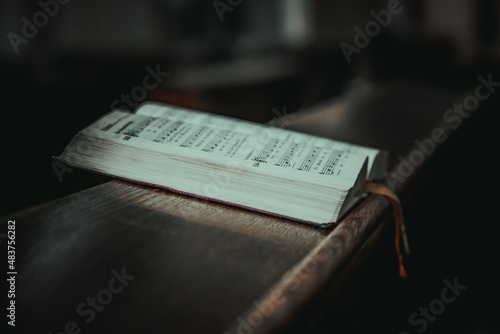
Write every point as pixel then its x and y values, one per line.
pixel 258 146
pixel 163 110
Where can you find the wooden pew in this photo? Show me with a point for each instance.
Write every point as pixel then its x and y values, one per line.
pixel 131 259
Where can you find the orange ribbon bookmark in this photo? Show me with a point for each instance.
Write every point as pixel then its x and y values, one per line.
pixel 377 188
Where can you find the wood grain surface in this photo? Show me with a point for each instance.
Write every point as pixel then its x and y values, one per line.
pixel 200 267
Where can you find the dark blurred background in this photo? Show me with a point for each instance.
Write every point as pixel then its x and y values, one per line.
pixel 63 64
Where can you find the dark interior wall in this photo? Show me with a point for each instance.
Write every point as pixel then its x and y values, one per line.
pixel 65 63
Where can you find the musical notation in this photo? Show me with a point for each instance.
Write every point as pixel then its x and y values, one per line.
pixel 216 140
pixel 139 127
pixel 332 162
pixel 309 160
pixel 193 136
pixel 285 159
pixel 167 132
pixel 281 151
pixel 266 151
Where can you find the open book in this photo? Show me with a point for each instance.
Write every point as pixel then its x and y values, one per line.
pixel 237 162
